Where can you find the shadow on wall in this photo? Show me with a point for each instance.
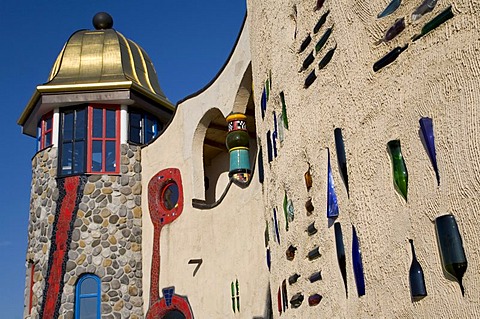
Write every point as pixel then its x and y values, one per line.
pixel 268 312
pixel 211 134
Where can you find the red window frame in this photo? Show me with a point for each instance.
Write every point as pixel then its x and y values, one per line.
pixel 44 131
pixel 103 138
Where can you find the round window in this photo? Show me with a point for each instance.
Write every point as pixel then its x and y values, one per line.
pixel 170 196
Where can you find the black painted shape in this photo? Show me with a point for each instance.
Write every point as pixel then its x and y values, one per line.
pixel 305 44
pixel 260 166
pixel 341 157
pixel 310 79
pixel 327 58
pixel 321 22
pixel 323 39
pixel 195 261
pixel 308 60
pixel 341 254
pixel 269 147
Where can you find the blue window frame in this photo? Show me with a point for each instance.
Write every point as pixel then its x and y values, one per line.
pixel 143 127
pixel 87 297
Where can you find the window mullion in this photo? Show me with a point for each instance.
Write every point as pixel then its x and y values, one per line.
pixel 104 135
pixel 89 138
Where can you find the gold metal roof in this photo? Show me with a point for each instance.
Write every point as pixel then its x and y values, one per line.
pixel 95 60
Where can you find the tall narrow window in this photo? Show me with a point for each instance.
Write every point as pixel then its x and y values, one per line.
pixel 73 141
pixel 87 297
pixel 103 152
pixel 143 127
pixel 45 131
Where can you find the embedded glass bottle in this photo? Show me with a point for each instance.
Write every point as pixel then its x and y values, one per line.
pixel 308 178
pixel 314 300
pixel 389 58
pixel 316 276
pixel 426 126
pixel 314 254
pixel 416 278
pixel 450 243
pixel 392 6
pixel 311 229
pixel 441 18
pixel 296 300
pixel 357 264
pixel 400 173
pixel 332 204
pixel 293 279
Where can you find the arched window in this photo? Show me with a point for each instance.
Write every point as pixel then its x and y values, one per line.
pixel 87 297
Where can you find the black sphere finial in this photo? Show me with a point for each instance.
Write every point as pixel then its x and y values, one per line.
pixel 102 21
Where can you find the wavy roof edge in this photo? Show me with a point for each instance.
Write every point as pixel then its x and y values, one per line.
pixel 220 71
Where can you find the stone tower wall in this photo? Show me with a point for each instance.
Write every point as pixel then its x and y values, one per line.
pixel 43 196
pixel 105 239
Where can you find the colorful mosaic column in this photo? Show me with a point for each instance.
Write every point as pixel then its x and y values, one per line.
pixel 238 146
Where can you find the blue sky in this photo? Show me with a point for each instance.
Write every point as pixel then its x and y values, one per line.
pixel 187 41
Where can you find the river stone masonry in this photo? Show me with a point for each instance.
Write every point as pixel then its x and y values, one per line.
pixel 43 196
pixel 106 237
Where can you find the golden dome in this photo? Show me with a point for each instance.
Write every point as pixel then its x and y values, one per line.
pixel 102 58
pixel 100 66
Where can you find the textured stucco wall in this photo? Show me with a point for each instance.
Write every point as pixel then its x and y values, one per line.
pixel 437 76
pixel 229 238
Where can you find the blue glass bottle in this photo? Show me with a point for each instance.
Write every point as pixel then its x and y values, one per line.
pixel 426 127
pixel 332 205
pixel 357 264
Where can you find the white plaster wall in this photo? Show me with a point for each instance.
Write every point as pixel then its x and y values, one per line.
pixel 229 238
pixel 437 77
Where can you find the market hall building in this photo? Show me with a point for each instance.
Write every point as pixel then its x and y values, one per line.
pixel 308 178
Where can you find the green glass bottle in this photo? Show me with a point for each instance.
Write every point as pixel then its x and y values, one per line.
pixel 284 110
pixel 400 174
pixel 442 17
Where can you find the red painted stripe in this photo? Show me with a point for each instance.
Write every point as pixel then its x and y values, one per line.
pixel 59 247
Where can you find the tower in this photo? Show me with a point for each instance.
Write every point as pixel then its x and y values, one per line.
pixel 101 103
